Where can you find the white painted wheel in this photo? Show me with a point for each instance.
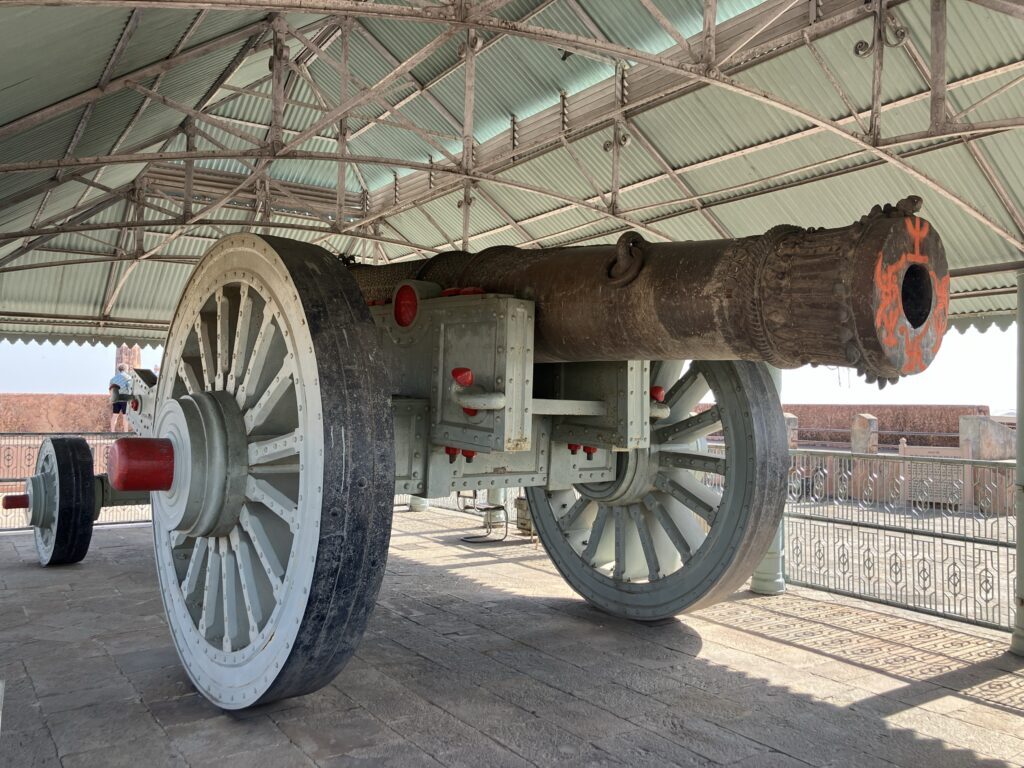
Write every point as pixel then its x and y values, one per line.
pixel 272 541
pixel 61 500
pixel 686 521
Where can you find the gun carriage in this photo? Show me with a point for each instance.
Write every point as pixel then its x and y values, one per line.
pixel 298 395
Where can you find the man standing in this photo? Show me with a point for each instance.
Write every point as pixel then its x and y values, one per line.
pixel 120 384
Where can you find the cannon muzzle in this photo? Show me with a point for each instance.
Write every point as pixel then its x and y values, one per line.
pixel 873 295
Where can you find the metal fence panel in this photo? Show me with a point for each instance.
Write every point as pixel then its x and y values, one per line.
pixel 930 534
pixel 18 460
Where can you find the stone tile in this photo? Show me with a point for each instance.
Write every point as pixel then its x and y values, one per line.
pixel 223 736
pixel 707 739
pixel 329 735
pixel 28 749
pixel 104 725
pixel 58 676
pixel 645 749
pixel 400 755
pixel 148 752
pixel 281 756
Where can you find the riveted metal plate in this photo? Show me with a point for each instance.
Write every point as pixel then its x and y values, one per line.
pixel 412 424
pixel 624 386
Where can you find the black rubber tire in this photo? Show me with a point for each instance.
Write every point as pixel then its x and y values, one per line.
pixel 75 502
pixel 359 472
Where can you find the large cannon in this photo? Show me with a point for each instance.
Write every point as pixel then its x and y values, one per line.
pixel 625 387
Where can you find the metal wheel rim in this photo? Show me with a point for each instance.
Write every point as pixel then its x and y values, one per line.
pixel 257 573
pixel 649 576
pixel 46 535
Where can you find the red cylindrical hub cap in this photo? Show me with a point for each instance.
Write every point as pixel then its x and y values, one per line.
pixel 141 464
pixel 16 501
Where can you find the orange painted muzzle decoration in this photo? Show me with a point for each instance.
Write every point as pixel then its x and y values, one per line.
pixel 910 297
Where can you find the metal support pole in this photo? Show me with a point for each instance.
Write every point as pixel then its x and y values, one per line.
pixel 1017 639
pixel 770 576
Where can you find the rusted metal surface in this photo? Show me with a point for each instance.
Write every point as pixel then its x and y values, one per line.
pixel 873 295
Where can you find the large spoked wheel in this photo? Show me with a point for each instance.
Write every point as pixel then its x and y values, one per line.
pixel 272 541
pixel 685 522
pixel 61 500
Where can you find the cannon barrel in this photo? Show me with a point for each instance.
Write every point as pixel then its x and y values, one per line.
pixel 872 295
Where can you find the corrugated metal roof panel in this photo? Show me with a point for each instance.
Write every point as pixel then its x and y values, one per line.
pixel 78 45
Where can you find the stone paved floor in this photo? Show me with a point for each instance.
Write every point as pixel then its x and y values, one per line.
pixel 480 656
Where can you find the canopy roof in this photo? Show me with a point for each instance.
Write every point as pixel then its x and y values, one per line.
pixel 133 135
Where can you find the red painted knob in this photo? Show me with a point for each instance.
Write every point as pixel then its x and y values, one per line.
pixel 658 394
pixel 407 304
pixel 16 501
pixel 453 453
pixel 141 464
pixel 574 448
pixel 450 292
pixel 469 456
pixel 590 451
pixel 463 376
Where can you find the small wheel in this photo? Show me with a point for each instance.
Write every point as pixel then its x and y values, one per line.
pixel 685 522
pixel 61 500
pixel 271 551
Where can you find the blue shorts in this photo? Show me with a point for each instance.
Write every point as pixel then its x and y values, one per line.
pixel 120 407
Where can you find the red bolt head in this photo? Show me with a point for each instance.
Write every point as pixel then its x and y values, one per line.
pixel 590 451
pixel 469 411
pixel 135 403
pixel 658 394
pixel 469 456
pixel 453 453
pixel 463 376
pixel 574 448
pixel 450 292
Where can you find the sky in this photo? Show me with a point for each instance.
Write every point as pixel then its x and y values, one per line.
pixel 971 369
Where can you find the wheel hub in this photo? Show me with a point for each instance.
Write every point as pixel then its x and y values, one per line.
pixel 207 434
pixel 634 479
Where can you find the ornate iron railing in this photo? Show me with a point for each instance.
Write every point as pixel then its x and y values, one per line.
pixel 936 535
pixel 18 460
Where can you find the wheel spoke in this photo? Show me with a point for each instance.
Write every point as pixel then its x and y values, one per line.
pixel 187 374
pixel 619 570
pixel 279 386
pixel 690 429
pixel 258 357
pixel 695 460
pixel 596 534
pixel 210 618
pixel 240 348
pixel 665 373
pixel 261 544
pixel 566 521
pixel 223 338
pixel 206 359
pixel 190 584
pixel 685 496
pixel 234 637
pixel 266 494
pixel 650 554
pixel 275 448
pixel 683 396
pixel 668 525
pixel 250 589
